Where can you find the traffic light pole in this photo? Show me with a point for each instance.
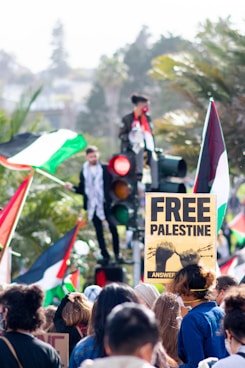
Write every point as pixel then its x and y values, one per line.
pixel 136 244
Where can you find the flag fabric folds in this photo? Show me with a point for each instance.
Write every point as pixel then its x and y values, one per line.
pixel 71 281
pixel 41 150
pixel 10 213
pixel 237 226
pixel 234 265
pixel 49 270
pixel 5 267
pixel 212 174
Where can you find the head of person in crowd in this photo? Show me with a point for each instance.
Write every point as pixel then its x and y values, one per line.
pixel 234 319
pixel 111 295
pixel 139 332
pixel 91 292
pixel 21 307
pixel 193 284
pixel 49 313
pixel 77 312
pixel 92 155
pixel 147 293
pixel 72 317
pixel 141 103
pixel 168 313
pixel 223 283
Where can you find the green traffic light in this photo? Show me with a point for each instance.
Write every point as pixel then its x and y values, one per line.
pixel 121 214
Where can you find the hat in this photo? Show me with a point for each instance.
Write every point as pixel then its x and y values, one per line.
pixel 91 292
pixel 147 292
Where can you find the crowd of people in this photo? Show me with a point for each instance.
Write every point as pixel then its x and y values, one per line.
pixel 125 326
pixel 198 321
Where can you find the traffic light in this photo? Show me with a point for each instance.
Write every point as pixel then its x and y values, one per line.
pixel 170 167
pixel 104 275
pixel 123 189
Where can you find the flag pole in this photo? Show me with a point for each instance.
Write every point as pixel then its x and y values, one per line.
pixel 52 177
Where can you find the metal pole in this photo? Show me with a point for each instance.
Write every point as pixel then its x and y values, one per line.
pixel 136 258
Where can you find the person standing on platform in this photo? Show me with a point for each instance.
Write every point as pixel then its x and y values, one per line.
pixel 136 135
pixel 94 185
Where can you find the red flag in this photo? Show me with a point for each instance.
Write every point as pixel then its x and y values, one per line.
pixel 10 214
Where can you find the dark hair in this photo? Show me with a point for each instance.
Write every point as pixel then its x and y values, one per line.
pixel 91 149
pixel 225 281
pixel 111 295
pixel 193 279
pixel 130 326
pixel 23 303
pixel 234 319
pixel 135 98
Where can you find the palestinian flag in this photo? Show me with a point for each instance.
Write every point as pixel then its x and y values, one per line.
pixel 49 270
pixel 234 265
pixel 71 281
pixel 237 226
pixel 212 174
pixel 41 150
pixel 11 212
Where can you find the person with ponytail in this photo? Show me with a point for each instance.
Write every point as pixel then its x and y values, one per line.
pixel 200 334
pixel 136 136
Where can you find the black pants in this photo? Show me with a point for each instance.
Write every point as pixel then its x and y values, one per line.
pixel 98 225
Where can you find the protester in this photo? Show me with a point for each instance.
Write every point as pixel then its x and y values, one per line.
pixel 22 314
pixel 168 313
pixel 234 326
pixel 136 136
pixel 131 334
pixel 91 292
pixel 49 313
pixel 92 346
pixel 200 333
pixel 72 317
pixel 147 293
pixel 94 185
pixel 223 283
pixel 222 246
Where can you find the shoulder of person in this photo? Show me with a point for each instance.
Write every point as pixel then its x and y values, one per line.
pixel 128 117
pixel 87 363
pixel 232 361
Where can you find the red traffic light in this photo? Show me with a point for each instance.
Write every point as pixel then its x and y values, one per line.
pixel 119 165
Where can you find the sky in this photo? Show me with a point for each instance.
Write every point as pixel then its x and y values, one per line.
pixel 99 27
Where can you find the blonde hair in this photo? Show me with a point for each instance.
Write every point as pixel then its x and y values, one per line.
pixel 49 313
pixel 167 311
pixel 77 312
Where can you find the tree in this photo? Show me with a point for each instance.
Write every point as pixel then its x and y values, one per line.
pixel 111 74
pixel 137 58
pixel 93 119
pixel 59 66
pixel 215 67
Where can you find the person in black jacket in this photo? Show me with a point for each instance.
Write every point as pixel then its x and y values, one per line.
pixel 22 316
pixel 136 135
pixel 94 185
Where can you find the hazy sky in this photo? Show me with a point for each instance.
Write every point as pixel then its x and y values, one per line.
pixel 97 27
